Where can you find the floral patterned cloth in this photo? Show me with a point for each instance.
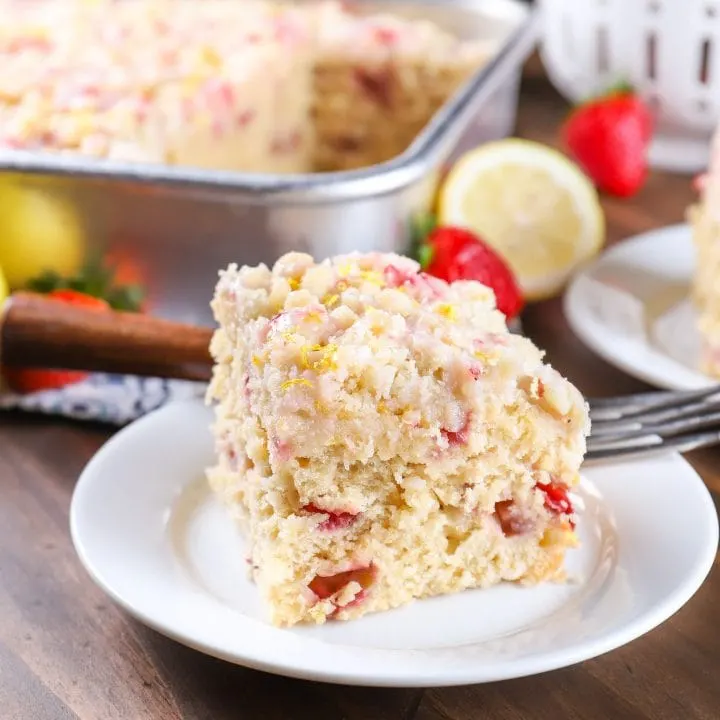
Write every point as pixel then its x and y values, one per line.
pixel 114 399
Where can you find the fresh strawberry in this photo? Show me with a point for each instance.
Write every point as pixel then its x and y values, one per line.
pixel 79 299
pixel 29 380
pixel 115 279
pixel 608 136
pixel 453 253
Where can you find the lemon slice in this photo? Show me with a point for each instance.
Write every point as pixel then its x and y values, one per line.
pixel 530 203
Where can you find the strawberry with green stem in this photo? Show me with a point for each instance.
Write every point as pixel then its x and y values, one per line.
pixel 95 288
pixel 454 253
pixel 609 136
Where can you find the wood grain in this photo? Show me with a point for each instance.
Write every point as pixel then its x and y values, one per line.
pixel 36 331
pixel 67 652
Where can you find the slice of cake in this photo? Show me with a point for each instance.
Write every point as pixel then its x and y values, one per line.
pixel 704 219
pixel 382 437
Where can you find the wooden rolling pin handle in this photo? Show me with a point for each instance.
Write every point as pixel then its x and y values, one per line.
pixel 39 332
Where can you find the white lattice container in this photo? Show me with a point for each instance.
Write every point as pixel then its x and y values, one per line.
pixel 668 49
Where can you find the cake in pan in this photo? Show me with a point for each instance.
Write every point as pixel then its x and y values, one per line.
pixel 246 86
pixel 382 437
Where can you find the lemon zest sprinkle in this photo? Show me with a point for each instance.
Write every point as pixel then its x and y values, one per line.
pixel 294 283
pixel 289 336
pixel 295 381
pixel 313 316
pixel 257 360
pixel 325 362
pixel 372 276
pixel 447 310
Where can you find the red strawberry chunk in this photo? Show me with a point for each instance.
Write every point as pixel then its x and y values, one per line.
pixel 459 437
pixel 376 84
pixel 511 519
pixel 335 520
pixel 556 498
pixel 385 36
pixel 395 277
pixel 282 449
pixel 325 587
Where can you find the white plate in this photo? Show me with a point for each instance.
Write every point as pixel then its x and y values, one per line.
pixel 632 307
pixel 151 535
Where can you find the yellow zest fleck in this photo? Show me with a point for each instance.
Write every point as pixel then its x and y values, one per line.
pixel 382 407
pixel 264 453
pixel 330 300
pixel 447 310
pixel 290 337
pixel 294 283
pixel 372 276
pixel 345 269
pixel 326 360
pixel 190 85
pixel 257 360
pixel 320 408
pixel 295 381
pixel 343 415
pixel 210 56
pixel 489 358
pixel 313 316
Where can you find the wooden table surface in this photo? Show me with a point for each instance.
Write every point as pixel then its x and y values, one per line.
pixel 67 652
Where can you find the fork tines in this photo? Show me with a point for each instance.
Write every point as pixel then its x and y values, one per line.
pixel 654 421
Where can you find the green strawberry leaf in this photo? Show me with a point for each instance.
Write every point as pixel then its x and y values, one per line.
pixel 95 279
pixel 46 282
pixel 425 255
pixel 420 227
pixel 126 298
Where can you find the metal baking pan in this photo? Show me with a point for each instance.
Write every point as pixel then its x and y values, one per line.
pixel 182 225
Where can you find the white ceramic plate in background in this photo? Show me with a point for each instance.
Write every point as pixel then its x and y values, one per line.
pixel 151 535
pixel 631 306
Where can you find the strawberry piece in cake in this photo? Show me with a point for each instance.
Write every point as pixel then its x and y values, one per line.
pixel 381 443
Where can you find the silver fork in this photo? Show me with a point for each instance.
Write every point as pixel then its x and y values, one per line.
pixel 652 422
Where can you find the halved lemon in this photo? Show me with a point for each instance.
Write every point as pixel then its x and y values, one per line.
pixel 535 207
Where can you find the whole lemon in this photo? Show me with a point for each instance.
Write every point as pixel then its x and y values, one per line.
pixel 38 232
pixel 4 289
